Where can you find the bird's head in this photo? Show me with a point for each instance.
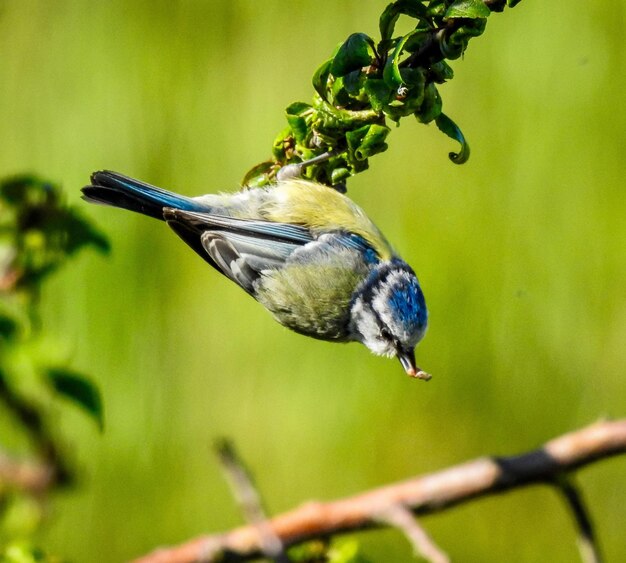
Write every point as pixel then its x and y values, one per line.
pixel 389 314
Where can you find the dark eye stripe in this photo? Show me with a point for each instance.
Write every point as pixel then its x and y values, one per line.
pixel 384 331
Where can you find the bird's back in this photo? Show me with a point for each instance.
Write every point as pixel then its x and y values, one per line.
pixel 299 202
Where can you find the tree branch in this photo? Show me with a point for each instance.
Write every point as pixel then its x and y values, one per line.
pixel 422 495
pixel 402 518
pixel 587 541
pixel 249 501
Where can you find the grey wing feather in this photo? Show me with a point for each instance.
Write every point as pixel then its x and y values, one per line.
pixel 242 258
pixel 281 231
pixel 239 248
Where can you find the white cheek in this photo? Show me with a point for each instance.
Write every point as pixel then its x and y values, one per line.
pixel 367 327
pixel 380 347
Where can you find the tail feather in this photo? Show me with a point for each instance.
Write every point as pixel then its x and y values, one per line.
pixel 111 188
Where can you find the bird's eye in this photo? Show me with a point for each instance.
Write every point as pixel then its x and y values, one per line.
pixel 385 334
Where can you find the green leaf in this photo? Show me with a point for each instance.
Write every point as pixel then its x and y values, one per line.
pixel 391 73
pixel 298 108
pixel 298 127
pixel 339 175
pixel 431 105
pixel 346 552
pixel 78 389
pixel 378 92
pixel 416 41
pixel 468 9
pixel 412 8
pixel 258 175
pixel 296 113
pixel 388 19
pixel 447 126
pixel 8 326
pixel 354 139
pixel 437 8
pixel 353 81
pixel 497 5
pixel 367 141
pixel 441 72
pixel 320 79
pixel 356 52
pixel 340 97
pixel 373 142
pixel 26 190
pixel 80 233
pixel 279 143
pixel 21 551
pixel 308 552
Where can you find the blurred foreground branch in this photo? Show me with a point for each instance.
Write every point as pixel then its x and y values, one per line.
pixel 34 476
pixel 39 232
pixel 421 495
pixel 26 475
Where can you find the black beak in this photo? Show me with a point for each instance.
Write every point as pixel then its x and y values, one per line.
pixel 407 359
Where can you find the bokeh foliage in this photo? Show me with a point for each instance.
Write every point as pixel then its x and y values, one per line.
pixel 38 233
pixel 520 253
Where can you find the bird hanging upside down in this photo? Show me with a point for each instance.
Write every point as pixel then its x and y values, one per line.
pixel 304 251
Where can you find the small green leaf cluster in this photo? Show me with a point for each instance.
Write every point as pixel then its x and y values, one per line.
pixel 79 389
pixel 39 231
pixel 366 83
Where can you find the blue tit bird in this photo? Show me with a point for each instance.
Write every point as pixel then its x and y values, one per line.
pixel 304 251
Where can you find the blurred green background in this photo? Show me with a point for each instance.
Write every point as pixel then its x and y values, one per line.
pixel 521 254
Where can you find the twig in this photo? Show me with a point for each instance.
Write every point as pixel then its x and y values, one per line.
pixel 9 280
pixel 295 170
pixel 249 500
pixel 422 495
pixel 32 422
pixel 402 518
pixel 24 475
pixel 587 542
